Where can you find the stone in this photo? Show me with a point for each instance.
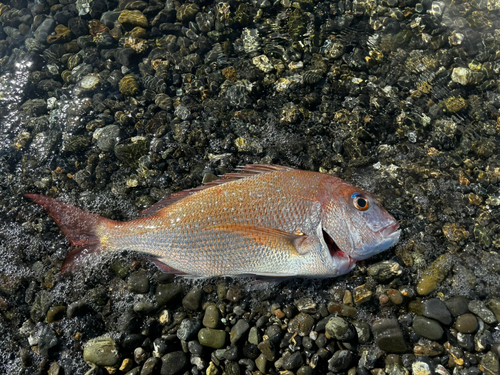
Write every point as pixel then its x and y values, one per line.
pixel 341 360
pixel 173 363
pixel 138 282
pixel 479 308
pixel 427 328
pixel 211 318
pixel 166 293
pixel 388 336
pixel 301 324
pixel 101 351
pixel 339 329
pixel 457 305
pixel 466 323
pixel 213 338
pixel 292 361
pixel 192 300
pixel 238 330
pixel 437 310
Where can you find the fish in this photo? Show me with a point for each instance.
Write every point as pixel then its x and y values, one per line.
pixel 263 220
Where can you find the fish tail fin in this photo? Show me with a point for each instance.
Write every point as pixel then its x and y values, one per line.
pixel 79 227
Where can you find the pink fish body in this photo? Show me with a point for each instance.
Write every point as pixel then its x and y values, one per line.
pixel 263 220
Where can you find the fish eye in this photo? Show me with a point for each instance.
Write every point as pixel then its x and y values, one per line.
pixel 360 202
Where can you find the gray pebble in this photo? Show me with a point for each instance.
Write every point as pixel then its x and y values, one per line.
pixel 211 318
pixel 292 361
pixel 437 310
pixel 140 355
pixel 261 363
pixel 340 361
pixel 339 329
pixel 362 330
pixel 173 363
pixel 427 328
pixel 149 365
pixel 465 340
pixel 253 336
pixel 188 329
pixel 238 330
pixel 138 282
pixel 107 137
pixel 457 305
pixel 167 292
pixel 305 370
pixel 195 347
pixel 192 300
pixel 479 308
pixel 306 305
pixel 388 336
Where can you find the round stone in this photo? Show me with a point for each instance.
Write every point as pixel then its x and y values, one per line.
pixel 301 324
pixel 437 310
pixel 427 328
pixel 101 351
pixel 466 323
pixel 213 338
pixel 339 329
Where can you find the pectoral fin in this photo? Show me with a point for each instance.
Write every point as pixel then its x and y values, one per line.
pixel 297 243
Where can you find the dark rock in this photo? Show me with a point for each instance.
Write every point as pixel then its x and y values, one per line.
pixel 427 328
pixel 293 361
pixel 166 293
pixel 388 336
pixel 188 329
pixel 173 363
pixel 457 305
pixel 192 300
pixel 238 330
pixel 138 282
pixel 340 361
pixel 437 310
pixel 301 324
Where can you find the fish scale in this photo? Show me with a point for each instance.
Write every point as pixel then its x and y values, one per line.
pixel 263 220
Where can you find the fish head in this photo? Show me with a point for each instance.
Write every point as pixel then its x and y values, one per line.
pixel 354 223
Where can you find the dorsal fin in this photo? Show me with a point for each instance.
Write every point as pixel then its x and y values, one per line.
pixel 248 170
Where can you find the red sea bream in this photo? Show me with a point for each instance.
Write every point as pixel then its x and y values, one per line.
pixel 263 220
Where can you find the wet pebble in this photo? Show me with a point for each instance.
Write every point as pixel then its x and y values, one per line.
pixel 437 310
pixel 238 330
pixel 133 18
pixel 301 324
pixel 490 364
pixel 466 323
pixel 192 300
pixel 101 351
pixel 166 293
pixel 292 361
pixel 188 329
pixel 383 271
pixel 479 308
pixel 434 275
pixel 388 336
pixel 213 338
pixel 149 366
pixel 107 137
pixel 457 305
pixel 211 318
pixel 427 328
pixel 339 329
pixel 138 282
pixel 173 363
pixel 341 360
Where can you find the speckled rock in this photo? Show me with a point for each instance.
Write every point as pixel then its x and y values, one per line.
pixel 107 137
pixel 490 364
pixel 479 308
pixel 494 305
pixel 301 324
pixel 188 329
pixel 292 361
pixel 339 329
pixel 101 351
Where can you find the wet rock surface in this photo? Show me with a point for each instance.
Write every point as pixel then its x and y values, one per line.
pixel 113 105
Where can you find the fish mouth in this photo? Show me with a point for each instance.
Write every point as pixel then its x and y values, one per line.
pixel 391 231
pixel 333 248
